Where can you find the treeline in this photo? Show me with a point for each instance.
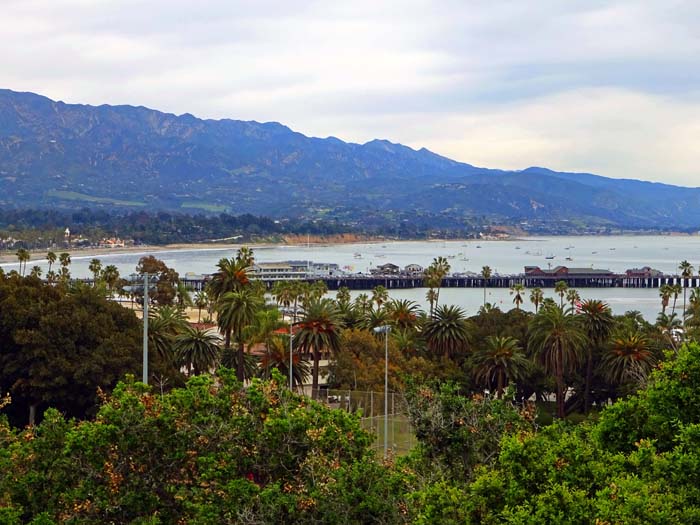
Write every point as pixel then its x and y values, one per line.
pixel 219 437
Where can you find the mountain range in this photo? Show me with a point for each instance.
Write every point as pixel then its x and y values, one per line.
pixel 68 155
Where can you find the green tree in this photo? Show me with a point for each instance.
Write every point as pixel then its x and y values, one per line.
pixel 380 295
pixel 318 332
pixel 536 298
pixel 573 297
pixel 686 270
pixel 665 292
pixel 403 313
pixel 23 257
pixel 197 350
pixel 629 358
pixel 95 267
pixel 448 332
pixel 498 362
pixel 236 311
pixel 164 277
pixel 201 301
pixel 51 259
pixel 557 341
pixel 485 276
pixel 560 287
pixel 597 320
pixel 517 291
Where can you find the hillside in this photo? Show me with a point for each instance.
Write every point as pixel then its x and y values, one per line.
pixel 66 155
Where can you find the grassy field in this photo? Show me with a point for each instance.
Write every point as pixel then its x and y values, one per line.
pixel 75 196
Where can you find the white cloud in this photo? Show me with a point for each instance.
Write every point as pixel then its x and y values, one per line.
pixel 587 85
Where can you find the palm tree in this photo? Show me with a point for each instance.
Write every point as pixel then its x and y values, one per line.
pixel 236 310
pixel 380 295
pixel 164 325
pixel 201 300
pixel 669 326
pixel 64 260
pixel 362 303
pixel 319 331
pixel 36 271
pixel 440 268
pixel 597 320
pixel 629 358
pixel 448 332
pixel 536 298
pixel 485 276
pixel 183 296
pixel 276 357
pixel 23 256
pixel 675 291
pixel 560 287
pixel 557 340
pixel 686 273
pixel 198 350
pixel 95 267
pixel 501 360
pixel 245 255
pixel 265 323
pixel 232 275
pixel 343 296
pixel 665 292
pixel 403 313
pixel 517 290
pixel 110 275
pixel 51 258
pixel 374 318
pixel 431 297
pixel 572 297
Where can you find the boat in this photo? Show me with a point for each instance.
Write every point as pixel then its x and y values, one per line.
pixel 464 259
pixel 478 246
pixel 569 258
pixel 594 253
pixel 517 247
pixel 550 257
pixel 451 256
pixel 357 255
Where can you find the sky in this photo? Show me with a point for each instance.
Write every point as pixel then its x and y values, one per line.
pixel 607 87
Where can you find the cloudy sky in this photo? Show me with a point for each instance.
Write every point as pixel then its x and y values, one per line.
pixel 610 87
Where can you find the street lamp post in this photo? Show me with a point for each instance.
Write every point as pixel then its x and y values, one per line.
pixel 145 328
pixel 385 329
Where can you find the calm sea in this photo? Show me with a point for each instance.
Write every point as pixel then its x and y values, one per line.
pixel 616 253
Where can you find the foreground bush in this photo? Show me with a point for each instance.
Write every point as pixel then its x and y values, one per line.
pixel 208 453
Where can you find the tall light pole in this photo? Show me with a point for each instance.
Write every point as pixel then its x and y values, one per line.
pixel 385 329
pixel 145 328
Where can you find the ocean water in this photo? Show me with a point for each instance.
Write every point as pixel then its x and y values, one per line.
pixel 616 253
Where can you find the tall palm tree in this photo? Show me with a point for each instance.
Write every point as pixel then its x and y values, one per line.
pixel 485 276
pixel 380 295
pixel 448 332
pixel 665 292
pixel 517 290
pixel 95 267
pixel 573 297
pixel 51 259
pixel 536 298
pixel 236 310
pixel 36 271
pixel 110 275
pixel 231 275
pixel 23 256
pixel 245 255
pixel 362 303
pixel 669 326
pixel 686 273
pixel 557 340
pixel 318 289
pixel 500 361
pixel 197 350
pixel 374 317
pixel 675 292
pixel 343 296
pixel 319 331
pixel 440 268
pixel 597 321
pixel 201 301
pixel 64 260
pixel 629 358
pixel 560 287
pixel 431 296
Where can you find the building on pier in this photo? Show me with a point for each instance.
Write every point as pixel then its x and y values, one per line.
pixel 564 272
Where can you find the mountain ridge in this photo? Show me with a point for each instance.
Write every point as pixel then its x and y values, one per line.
pixel 58 154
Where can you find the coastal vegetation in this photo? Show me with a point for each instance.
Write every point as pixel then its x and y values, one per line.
pixel 567 415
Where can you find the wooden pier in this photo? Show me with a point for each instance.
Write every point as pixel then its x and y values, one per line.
pixel 502 281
